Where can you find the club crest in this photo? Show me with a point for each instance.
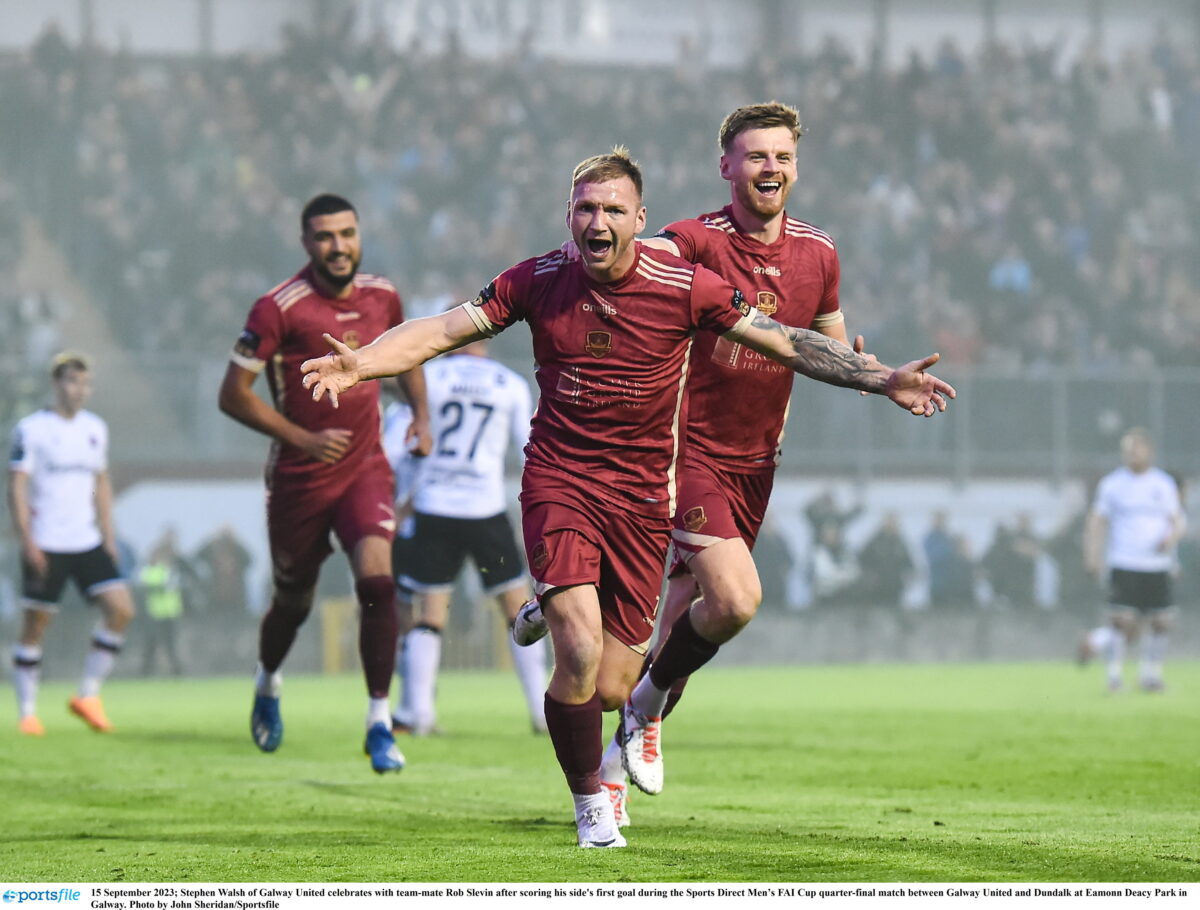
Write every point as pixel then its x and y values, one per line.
pixel 598 344
pixel 767 303
pixel 694 519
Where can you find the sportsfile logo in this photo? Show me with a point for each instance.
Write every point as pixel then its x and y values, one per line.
pixel 21 897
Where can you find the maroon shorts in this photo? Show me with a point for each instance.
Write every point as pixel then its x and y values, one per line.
pixel 715 505
pixel 301 515
pixel 574 537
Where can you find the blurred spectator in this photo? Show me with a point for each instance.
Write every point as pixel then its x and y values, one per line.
pixel 1004 170
pixel 160 582
pixel 220 566
pixel 956 582
pixel 887 564
pixel 773 557
pixel 1010 563
pixel 823 511
pixel 835 570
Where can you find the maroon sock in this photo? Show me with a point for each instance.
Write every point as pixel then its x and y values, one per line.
pixel 575 731
pixel 683 654
pixel 675 694
pixel 377 632
pixel 276 634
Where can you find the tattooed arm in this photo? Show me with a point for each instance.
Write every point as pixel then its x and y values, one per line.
pixel 820 357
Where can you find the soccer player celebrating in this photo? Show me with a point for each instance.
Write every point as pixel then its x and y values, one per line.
pixel 790 269
pixel 611 334
pixel 476 406
pixel 60 498
pixel 327 471
pixel 1133 529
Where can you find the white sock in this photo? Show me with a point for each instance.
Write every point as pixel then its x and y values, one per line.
pixel 611 769
pixel 267 683
pixel 404 709
pixel 25 677
pixel 99 661
pixel 585 801
pixel 530 664
pixel 378 712
pixel 1154 651
pixel 1115 654
pixel 648 699
pixel 424 647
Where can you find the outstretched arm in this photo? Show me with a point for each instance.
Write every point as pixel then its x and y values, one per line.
pixel 820 357
pixel 396 351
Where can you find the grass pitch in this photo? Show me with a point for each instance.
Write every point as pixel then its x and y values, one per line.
pixel 953 773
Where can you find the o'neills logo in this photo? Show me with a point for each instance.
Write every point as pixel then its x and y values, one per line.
pixel 540 555
pixel 598 343
pixel 768 303
pixel 695 519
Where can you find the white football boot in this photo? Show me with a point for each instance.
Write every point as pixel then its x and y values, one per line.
pixel 530 625
pixel 618 795
pixel 596 826
pixel 640 753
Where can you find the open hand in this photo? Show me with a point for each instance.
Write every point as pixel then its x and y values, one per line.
pixel 334 373
pixel 917 391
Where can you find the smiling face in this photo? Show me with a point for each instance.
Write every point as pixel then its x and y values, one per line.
pixel 334 249
pixel 760 165
pixel 604 217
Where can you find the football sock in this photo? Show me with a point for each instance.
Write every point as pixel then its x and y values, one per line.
pixel 585 801
pixel 403 712
pixel 99 661
pixel 1154 652
pixel 423 655
pixel 674 695
pixel 276 634
pixel 575 732
pixel 27 667
pixel 530 664
pixel 1114 656
pixel 378 712
pixel 611 769
pixel 683 653
pixel 267 683
pixel 378 627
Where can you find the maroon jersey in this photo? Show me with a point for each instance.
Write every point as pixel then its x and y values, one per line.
pixel 612 362
pixel 794 281
pixel 284 329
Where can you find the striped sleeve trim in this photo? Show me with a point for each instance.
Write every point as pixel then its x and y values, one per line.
pixel 253 364
pixel 740 327
pixel 480 319
pixel 824 320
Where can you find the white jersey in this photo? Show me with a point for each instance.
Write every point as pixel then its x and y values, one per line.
pixel 62 458
pixel 1139 509
pixel 397 417
pixel 476 406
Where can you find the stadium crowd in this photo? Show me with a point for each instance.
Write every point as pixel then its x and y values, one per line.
pixel 1019 208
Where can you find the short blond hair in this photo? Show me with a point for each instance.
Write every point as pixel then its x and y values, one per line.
pixel 759 117
pixel 611 166
pixel 68 360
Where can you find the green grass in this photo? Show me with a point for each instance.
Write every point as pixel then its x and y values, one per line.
pixel 973 773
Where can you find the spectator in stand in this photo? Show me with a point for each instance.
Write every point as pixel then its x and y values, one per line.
pixel 935 168
pixel 887 564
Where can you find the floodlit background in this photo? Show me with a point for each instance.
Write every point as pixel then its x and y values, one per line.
pixel 1012 183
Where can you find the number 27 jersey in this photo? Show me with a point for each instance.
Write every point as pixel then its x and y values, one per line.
pixel 476 407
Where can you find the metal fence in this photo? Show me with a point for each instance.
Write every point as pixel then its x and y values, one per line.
pixel 1057 424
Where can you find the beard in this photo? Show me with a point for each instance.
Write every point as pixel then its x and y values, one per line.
pixel 335 280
